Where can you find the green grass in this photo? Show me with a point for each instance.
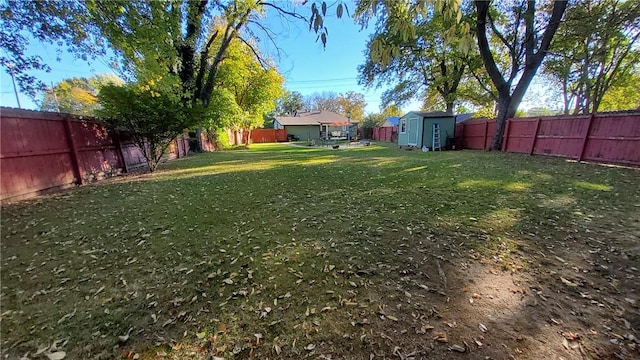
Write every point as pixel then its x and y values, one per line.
pixel 320 251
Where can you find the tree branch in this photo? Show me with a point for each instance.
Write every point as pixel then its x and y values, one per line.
pixel 257 55
pixel 482 8
pixel 283 11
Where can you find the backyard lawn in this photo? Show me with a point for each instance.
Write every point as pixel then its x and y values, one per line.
pixel 366 253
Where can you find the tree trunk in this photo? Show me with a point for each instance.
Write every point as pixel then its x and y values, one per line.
pixel 449 109
pixel 505 111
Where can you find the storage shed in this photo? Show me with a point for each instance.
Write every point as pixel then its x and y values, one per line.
pixel 416 128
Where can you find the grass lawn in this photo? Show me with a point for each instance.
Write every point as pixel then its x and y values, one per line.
pixel 293 252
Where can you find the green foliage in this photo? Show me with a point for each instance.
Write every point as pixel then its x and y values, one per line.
pixel 350 103
pixel 245 91
pixel 289 102
pixel 624 94
pixel 222 140
pixel 398 17
pixel 524 31
pixel 77 95
pixel 392 110
pixel 371 121
pixel 152 119
pixel 486 112
pixel 149 38
pixel 427 64
pixel 595 49
pixel 64 23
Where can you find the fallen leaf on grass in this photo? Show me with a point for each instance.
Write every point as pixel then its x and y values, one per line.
pixel 310 347
pixel 568 283
pixel 41 350
pixel 58 355
pixel 482 328
pixel 571 336
pixel 441 337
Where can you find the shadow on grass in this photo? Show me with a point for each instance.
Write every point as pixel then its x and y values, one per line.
pixel 290 252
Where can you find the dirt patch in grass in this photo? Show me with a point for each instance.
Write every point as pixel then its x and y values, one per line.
pixel 282 252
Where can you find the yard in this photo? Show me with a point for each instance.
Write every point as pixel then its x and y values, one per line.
pixel 286 252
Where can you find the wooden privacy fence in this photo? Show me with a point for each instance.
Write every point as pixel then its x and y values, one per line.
pixel 603 137
pixel 44 150
pixel 385 133
pixel 268 135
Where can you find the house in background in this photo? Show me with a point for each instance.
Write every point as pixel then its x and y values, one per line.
pixel 388 131
pixel 415 128
pixel 463 117
pixel 316 125
pixel 391 121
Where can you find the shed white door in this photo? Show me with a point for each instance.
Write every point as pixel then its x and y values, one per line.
pixel 413 132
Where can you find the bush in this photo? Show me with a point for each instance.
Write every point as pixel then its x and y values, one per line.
pixel 222 140
pixel 152 119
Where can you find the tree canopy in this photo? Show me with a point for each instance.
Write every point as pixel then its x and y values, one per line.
pixel 595 49
pixel 77 95
pixel 430 65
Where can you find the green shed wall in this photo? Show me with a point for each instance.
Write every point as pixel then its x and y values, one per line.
pixel 403 139
pixel 447 127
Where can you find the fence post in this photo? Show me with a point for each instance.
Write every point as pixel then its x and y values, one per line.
pixel 535 137
pixel 585 139
pixel 505 139
pixel 118 144
pixel 486 131
pixel 184 145
pixel 75 164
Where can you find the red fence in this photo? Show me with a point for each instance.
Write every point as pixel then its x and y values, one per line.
pixel 268 135
pixel 603 137
pixel 387 133
pixel 43 150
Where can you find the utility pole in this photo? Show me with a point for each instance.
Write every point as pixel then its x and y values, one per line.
pixel 15 88
pixel 349 128
pixel 55 97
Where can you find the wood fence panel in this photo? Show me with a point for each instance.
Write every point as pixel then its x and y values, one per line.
pixel 385 133
pixel 520 135
pixel 614 138
pixel 42 150
pixel 561 136
pixel 475 135
pixel 34 154
pixel 604 137
pixel 268 135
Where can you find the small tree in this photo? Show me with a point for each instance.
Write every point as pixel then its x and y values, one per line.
pixel 152 118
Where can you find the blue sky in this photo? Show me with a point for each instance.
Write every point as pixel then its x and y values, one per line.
pixel 306 66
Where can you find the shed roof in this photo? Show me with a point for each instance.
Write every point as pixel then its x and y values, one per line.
pixel 315 117
pixel 430 114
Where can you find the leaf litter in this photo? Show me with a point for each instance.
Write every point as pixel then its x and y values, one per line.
pixel 388 274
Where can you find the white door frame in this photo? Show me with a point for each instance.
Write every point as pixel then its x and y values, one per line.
pixel 413 131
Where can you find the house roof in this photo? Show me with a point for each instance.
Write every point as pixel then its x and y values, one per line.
pixel 462 117
pixel 315 117
pixel 392 121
